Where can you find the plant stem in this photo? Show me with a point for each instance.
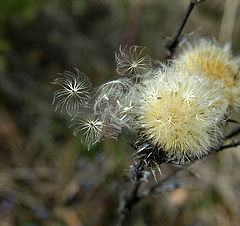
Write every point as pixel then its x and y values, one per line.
pixel 171 47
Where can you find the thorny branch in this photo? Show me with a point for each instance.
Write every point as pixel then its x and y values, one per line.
pixel 131 199
pixel 171 47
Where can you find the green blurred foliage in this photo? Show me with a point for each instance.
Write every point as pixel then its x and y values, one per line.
pixel 22 9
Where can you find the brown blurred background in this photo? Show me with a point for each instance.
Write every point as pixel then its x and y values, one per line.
pixel 47 177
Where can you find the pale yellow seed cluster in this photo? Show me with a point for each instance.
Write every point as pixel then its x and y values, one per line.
pixel 178 108
pixel 181 113
pixel 217 63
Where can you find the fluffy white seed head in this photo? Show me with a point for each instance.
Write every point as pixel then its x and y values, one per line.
pixel 91 128
pixel 132 61
pixel 179 112
pixel 217 63
pixel 73 92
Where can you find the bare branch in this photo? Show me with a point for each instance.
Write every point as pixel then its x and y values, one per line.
pixel 171 47
pixel 232 145
pixel 126 204
pixel 128 200
pixel 233 133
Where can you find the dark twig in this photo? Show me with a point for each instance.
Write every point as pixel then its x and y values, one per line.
pixel 171 47
pixel 233 133
pixel 232 145
pixel 130 199
pixel 127 203
pixel 233 121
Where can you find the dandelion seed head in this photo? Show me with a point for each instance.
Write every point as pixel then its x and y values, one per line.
pixel 180 113
pixel 132 61
pixel 91 128
pixel 73 92
pixel 217 63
